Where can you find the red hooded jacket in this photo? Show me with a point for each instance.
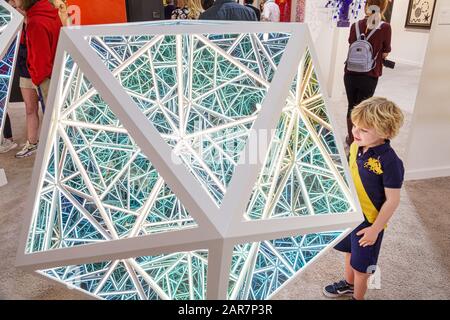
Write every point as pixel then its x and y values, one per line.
pixel 43 26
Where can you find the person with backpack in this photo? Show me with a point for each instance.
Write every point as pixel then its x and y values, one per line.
pixel 370 44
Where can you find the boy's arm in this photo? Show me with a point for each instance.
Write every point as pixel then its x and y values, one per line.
pixel 387 210
pixel 352 35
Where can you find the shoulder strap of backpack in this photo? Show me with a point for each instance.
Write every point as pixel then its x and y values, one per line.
pixel 358 32
pixel 374 30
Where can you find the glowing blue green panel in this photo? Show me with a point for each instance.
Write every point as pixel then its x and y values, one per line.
pixel 296 179
pixel 206 117
pixel 6 64
pixel 259 269
pixel 177 276
pixel 5 18
pixel 98 185
pixel 6 70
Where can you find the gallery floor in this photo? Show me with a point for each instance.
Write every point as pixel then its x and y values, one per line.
pixel 414 262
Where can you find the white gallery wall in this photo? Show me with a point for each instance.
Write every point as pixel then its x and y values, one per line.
pixel 408 45
pixel 429 144
pixel 330 42
pixel 318 19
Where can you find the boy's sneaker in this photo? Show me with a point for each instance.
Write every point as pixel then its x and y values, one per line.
pixel 7 145
pixel 338 289
pixel 27 150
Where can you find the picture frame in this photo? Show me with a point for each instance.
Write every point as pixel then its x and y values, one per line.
pixel 420 14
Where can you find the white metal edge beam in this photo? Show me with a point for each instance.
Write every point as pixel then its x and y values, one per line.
pixel 149 245
pixel 44 149
pixel 219 264
pixel 186 28
pixel 278 228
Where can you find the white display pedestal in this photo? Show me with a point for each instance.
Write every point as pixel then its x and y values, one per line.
pixel 3 180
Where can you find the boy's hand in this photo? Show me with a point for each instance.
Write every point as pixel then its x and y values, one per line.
pixel 369 238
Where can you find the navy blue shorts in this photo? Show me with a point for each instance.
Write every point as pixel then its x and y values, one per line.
pixel 363 259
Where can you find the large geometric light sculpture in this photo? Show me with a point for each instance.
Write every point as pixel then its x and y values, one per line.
pixel 10 29
pixel 149 185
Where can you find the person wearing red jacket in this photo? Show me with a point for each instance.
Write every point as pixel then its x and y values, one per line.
pixel 43 27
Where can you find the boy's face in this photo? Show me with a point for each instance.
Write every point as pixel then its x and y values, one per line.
pixel 366 137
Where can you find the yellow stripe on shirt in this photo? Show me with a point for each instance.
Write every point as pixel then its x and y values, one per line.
pixel 367 206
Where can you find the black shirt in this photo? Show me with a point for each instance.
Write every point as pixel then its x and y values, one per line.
pixel 257 12
pixel 228 10
pixel 168 11
pixel 22 66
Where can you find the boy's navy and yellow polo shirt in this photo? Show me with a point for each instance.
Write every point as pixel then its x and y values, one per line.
pixel 378 168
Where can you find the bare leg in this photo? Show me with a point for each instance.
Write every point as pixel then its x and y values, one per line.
pixel 32 110
pixel 360 285
pixel 349 274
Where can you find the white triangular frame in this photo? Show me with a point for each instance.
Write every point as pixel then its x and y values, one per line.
pixel 10 34
pixel 217 231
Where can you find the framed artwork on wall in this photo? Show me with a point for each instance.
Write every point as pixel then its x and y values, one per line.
pixel 420 14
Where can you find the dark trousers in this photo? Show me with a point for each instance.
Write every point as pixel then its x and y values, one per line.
pixel 7 132
pixel 358 89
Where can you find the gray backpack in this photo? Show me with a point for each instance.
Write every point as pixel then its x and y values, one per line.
pixel 360 54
